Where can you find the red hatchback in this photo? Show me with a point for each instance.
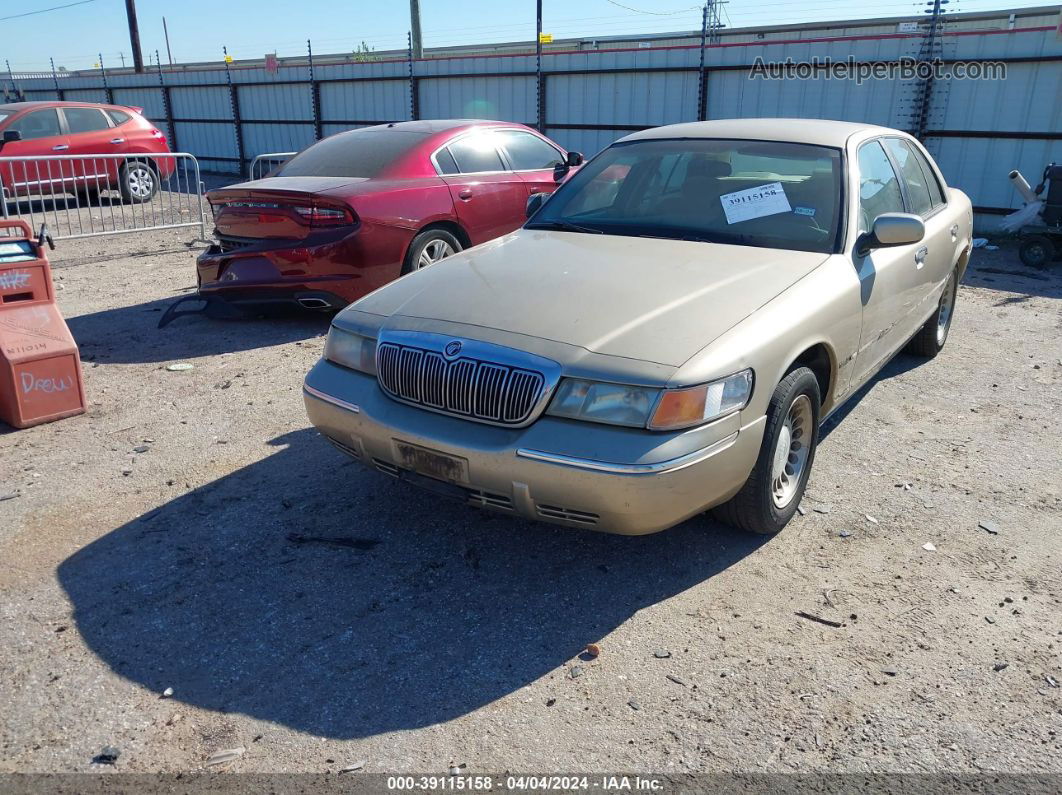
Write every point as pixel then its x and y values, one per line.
pixel 358 209
pixel 35 129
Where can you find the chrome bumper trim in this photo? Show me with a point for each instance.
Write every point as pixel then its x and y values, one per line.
pixel 696 457
pixel 317 393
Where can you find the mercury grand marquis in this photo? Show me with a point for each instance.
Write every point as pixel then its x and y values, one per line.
pixel 665 333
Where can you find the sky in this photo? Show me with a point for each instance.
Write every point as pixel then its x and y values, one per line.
pixel 75 35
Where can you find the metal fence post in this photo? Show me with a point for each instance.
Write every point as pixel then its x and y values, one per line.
pixel 315 95
pixel 55 79
pixel 166 107
pixel 540 99
pixel 106 88
pixel 702 78
pixel 414 88
pixel 234 102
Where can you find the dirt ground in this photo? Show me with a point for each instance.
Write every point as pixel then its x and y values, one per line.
pixel 192 532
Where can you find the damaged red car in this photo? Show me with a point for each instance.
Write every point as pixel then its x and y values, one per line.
pixel 357 210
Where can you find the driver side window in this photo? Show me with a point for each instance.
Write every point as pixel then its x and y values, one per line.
pixel 879 190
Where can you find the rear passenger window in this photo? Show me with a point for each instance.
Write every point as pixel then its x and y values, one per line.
pixel 879 190
pixel 118 117
pixel 446 162
pixel 528 152
pixel 936 193
pixel 476 153
pixel 914 179
pixel 82 120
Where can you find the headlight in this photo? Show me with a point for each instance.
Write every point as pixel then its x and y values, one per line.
pixel 351 350
pixel 681 408
pixel 616 404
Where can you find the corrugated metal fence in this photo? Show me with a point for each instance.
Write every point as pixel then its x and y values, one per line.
pixel 978 130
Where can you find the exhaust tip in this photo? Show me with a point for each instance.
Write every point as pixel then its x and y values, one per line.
pixel 314 303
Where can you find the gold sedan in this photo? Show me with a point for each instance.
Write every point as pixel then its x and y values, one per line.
pixel 664 335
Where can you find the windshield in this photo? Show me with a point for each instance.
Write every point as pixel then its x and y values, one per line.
pixel 751 193
pixel 357 153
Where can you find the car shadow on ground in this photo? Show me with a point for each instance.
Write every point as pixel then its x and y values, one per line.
pixel 331 599
pixel 129 334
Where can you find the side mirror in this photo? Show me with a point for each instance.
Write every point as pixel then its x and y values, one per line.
pixel 534 201
pixel 10 136
pixel 891 229
pixel 571 160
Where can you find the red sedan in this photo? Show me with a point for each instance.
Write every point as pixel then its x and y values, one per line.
pixel 35 129
pixel 358 209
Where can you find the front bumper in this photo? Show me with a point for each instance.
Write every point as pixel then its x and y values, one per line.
pixel 577 474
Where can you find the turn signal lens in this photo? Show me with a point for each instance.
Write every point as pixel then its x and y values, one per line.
pixel 681 408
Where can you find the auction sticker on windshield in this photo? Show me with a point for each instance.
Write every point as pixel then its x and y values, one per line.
pixel 757 202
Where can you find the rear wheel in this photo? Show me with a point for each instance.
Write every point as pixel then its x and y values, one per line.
pixel 930 339
pixel 1037 251
pixel 776 485
pixel 137 181
pixel 429 247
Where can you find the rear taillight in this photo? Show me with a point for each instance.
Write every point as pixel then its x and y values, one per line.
pixel 316 215
pixel 157 134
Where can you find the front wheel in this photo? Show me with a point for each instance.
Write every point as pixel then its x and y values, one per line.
pixel 137 182
pixel 776 485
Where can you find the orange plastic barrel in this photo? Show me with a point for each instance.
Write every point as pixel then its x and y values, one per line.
pixel 40 369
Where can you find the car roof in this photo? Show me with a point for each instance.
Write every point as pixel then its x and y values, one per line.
pixel 821 132
pixel 430 126
pixel 15 107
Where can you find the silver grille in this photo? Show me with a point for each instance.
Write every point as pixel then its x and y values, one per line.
pixel 472 388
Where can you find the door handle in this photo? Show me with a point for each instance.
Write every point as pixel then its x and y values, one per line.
pixel 465 193
pixel 117 140
pixel 920 257
pixel 60 147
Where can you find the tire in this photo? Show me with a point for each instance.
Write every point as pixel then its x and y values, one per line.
pixel 756 508
pixel 930 339
pixel 138 182
pixel 1036 251
pixel 429 247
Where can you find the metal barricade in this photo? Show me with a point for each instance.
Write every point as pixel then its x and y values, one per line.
pixel 263 164
pixel 90 195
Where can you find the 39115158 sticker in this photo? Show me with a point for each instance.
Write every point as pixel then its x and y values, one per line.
pixel 744 205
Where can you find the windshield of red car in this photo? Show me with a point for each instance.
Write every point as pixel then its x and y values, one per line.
pixel 755 193
pixel 357 153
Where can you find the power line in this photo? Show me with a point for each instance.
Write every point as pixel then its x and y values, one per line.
pixel 654 13
pixel 44 10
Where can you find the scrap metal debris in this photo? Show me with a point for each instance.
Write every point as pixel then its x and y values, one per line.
pixel 819 619
pixel 353 542
pixel 223 757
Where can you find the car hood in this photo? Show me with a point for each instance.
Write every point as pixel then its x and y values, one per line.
pixel 648 299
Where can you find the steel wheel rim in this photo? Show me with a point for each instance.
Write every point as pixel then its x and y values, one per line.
pixel 791 452
pixel 947 304
pixel 433 252
pixel 141 181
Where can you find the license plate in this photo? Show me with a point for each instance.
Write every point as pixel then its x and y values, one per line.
pixel 431 462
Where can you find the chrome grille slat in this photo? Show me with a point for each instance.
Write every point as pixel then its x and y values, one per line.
pixel 482 390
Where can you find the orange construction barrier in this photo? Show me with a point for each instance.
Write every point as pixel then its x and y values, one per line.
pixel 40 370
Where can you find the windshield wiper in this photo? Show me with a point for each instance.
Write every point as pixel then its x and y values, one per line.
pixel 563 226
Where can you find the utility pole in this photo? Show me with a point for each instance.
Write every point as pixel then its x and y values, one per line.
pixel 416 42
pixel 166 32
pixel 134 35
